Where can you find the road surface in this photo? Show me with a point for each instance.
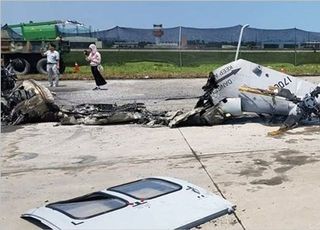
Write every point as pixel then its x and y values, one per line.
pixel 273 181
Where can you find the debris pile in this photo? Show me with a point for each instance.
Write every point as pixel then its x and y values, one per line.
pixel 226 95
pixel 28 102
pixel 105 114
pixel 304 109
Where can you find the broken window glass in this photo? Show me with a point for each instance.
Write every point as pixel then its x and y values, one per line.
pixel 88 206
pixel 147 188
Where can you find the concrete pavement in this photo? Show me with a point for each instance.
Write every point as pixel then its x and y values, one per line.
pixel 273 181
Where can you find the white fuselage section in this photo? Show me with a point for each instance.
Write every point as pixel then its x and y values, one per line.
pixel 232 76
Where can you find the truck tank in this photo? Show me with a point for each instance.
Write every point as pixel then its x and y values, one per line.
pixel 25 41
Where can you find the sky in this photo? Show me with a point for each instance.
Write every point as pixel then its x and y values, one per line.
pixel 103 15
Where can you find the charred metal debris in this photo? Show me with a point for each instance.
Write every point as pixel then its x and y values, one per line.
pixel 104 114
pixel 26 101
pixel 29 102
pixel 304 110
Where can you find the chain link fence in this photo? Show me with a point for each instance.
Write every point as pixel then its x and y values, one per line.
pixel 196 38
pixel 184 46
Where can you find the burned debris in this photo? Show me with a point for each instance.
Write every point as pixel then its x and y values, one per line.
pixel 25 102
pixel 262 91
pixel 205 113
pixel 200 116
pixel 8 79
pixel 305 109
pixel 101 114
pixel 28 102
pixel 232 91
pixel 105 114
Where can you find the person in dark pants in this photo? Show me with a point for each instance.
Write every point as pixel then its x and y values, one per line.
pixel 94 57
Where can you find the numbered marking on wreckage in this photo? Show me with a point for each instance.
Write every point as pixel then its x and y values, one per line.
pixel 283 83
pixel 225 70
pixel 224 74
pixel 223 85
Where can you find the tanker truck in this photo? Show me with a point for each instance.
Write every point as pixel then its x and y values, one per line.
pixel 24 42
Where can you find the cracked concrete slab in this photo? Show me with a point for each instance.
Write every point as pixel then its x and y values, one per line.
pixel 273 181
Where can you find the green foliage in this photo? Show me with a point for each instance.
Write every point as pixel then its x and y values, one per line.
pixel 167 64
pixel 298 58
pixel 195 58
pixel 165 70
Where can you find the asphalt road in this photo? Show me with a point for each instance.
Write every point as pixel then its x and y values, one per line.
pixel 182 93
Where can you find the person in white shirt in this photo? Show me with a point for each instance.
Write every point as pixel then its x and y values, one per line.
pixel 94 57
pixel 53 59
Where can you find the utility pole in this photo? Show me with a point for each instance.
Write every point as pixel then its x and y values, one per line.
pixel 180 57
pixel 239 42
pixel 295 46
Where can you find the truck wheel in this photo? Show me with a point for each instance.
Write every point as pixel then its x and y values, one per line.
pixel 21 70
pixel 42 66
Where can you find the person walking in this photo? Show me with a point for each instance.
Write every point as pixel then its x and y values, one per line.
pixel 53 58
pixel 94 57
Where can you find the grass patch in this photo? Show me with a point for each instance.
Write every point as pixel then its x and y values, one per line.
pixel 144 70
pixel 195 59
pixel 173 64
pixel 307 69
pixel 149 70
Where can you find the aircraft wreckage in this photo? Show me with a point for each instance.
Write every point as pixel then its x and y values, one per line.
pixel 231 91
pixel 149 203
